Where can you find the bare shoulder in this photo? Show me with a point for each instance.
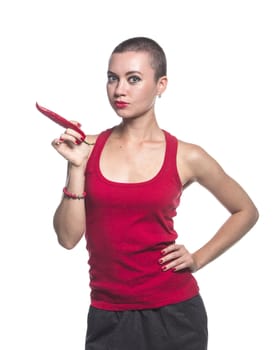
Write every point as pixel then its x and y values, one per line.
pixel 197 162
pixel 193 154
pixel 190 151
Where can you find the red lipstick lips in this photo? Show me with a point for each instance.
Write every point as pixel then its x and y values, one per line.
pixel 121 104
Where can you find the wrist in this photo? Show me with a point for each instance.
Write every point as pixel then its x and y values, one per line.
pixel 75 179
pixel 79 167
pixel 196 263
pixel 72 195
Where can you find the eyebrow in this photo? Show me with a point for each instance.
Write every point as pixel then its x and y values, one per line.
pixel 127 73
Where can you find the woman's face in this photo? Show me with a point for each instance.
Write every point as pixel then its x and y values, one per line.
pixel 131 85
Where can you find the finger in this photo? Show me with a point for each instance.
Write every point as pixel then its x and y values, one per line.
pixel 72 132
pixel 171 256
pixel 75 135
pixel 70 137
pixel 178 264
pixel 76 123
pixel 169 249
pixel 57 141
pixel 175 265
pixel 175 251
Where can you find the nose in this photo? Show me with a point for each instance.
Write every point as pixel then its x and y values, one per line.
pixel 121 88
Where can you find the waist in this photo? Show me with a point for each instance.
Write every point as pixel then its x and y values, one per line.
pixel 125 285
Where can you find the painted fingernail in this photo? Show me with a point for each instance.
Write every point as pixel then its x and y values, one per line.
pixel 163 252
pixel 164 268
pixel 161 261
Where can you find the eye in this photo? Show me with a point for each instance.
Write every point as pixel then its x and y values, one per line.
pixel 134 79
pixel 111 78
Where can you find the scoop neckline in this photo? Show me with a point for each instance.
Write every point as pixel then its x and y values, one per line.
pixel 133 184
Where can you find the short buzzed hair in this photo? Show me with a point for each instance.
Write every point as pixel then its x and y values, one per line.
pixel 143 44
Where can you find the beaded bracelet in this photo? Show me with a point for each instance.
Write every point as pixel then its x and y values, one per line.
pixel 73 195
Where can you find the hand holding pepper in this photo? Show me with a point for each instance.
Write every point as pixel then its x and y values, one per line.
pixel 72 143
pixel 64 122
pixel 71 148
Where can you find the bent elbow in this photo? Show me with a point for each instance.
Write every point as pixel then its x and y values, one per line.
pixel 253 216
pixel 256 215
pixel 68 243
pixel 68 238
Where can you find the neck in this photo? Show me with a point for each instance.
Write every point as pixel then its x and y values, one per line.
pixel 139 130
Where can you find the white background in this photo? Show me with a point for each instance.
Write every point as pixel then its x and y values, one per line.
pixel 221 94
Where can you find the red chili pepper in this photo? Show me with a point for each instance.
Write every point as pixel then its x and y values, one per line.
pixel 60 120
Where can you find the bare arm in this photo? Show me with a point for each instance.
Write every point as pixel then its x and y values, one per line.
pixel 70 217
pixel 243 213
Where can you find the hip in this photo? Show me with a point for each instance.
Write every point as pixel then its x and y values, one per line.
pixel 176 326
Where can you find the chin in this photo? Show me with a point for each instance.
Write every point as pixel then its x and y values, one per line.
pixel 123 114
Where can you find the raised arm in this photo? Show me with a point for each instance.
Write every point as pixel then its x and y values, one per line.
pixel 69 219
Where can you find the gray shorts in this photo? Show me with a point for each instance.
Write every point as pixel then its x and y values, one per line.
pixel 181 326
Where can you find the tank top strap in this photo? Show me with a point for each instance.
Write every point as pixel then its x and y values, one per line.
pixel 170 162
pixel 171 145
pixel 97 149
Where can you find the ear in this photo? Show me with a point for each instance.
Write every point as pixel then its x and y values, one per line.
pixel 161 85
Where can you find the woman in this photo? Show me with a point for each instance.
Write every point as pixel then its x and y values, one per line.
pixel 122 191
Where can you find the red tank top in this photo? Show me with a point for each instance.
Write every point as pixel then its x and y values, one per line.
pixel 127 226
